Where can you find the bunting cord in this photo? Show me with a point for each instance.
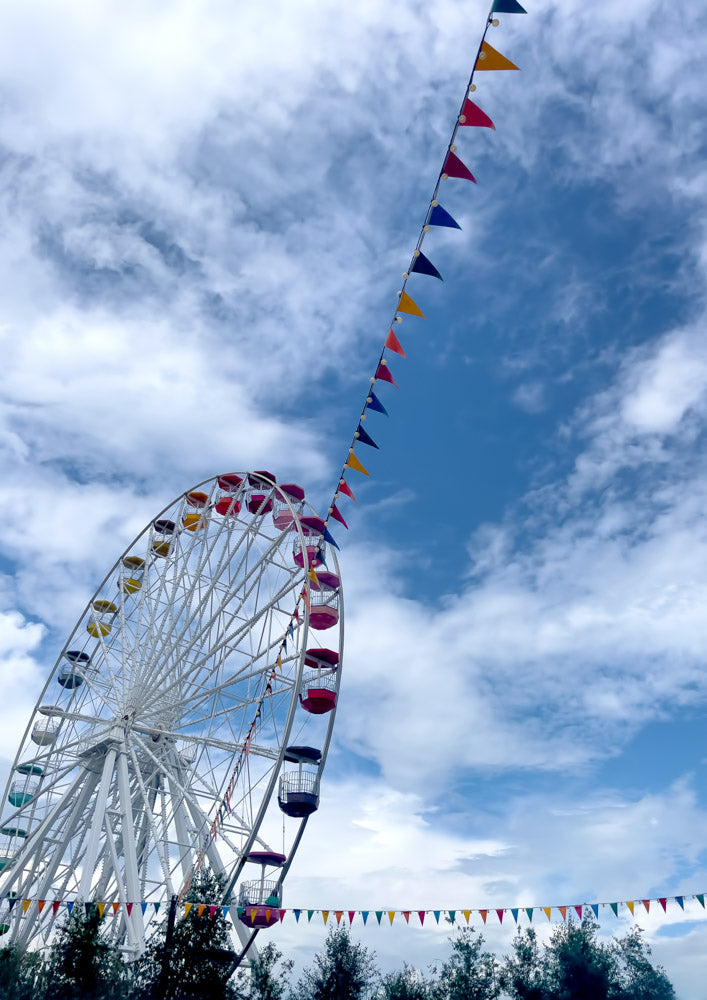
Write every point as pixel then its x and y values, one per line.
pixel 451 147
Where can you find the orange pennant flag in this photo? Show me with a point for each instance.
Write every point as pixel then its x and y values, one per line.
pixel 338 914
pixel 467 914
pixel 26 904
pixel 647 904
pixel 490 58
pixel 629 903
pixel 325 914
pixel 547 910
pixel 267 916
pixel 406 914
pixel 391 915
pixel 484 914
pixel 563 911
pixel 393 344
pixel 40 904
pixel 406 305
pixel 200 910
pixel 353 463
pixel 117 905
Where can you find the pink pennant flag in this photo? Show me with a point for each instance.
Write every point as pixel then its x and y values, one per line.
pixel 352 914
pixel 579 911
pixel 663 900
pixel 421 915
pixel 499 914
pixel 473 115
pixel 383 373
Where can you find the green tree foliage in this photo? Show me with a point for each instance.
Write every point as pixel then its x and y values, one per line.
pixel 82 964
pixel 198 960
pixel 470 973
pixel 263 980
pixel 406 984
pixel 345 971
pixel 20 974
pixel 637 977
pixel 523 975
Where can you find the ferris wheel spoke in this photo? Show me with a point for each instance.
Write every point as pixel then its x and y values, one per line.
pixel 159 837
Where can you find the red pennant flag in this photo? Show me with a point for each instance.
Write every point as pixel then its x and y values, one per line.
pixel 453 167
pixel 663 902
pixel 473 115
pixel 383 373
pixel 579 911
pixel 421 915
pixel 393 344
pixel 563 911
pixel 484 914
pixel 499 914
pixel 129 907
pixel 647 904
pixel 352 914
pixel 336 514
pixel 282 914
pixel 55 906
pixel 345 488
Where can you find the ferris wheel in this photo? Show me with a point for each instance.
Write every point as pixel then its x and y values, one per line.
pixel 187 719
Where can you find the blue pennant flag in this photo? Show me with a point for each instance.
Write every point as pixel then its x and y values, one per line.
pixel 440 217
pixel 423 265
pixel 328 537
pixel 364 437
pixel 375 404
pixel 508 7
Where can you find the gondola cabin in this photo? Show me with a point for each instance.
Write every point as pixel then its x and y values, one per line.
pixel 298 790
pixel 259 900
pixel 287 496
pixel 324 599
pixel 318 691
pixel 260 499
pixel 312 530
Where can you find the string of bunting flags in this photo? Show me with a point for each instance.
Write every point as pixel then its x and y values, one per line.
pixel 553 913
pixel 470 115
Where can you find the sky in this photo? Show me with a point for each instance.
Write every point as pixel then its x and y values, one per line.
pixel 206 210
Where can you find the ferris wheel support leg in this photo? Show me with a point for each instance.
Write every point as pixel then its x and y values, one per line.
pixel 99 811
pixel 131 867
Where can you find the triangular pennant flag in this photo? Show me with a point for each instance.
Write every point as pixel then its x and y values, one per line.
pixel 212 911
pixel 345 488
pixel 327 535
pixel 629 903
pixel 615 908
pixel 484 914
pixel 595 909
pixel 406 914
pixel 310 914
pixel 700 897
pixel 297 915
pixel 578 910
pixel 441 217
pixel 41 903
pixel 69 906
pixel 547 910
pixel 507 7
pixel 680 901
pixel 393 344
pixel 115 907
pixel 364 437
pixel 452 915
pixel 383 373
pixel 499 914
pixel 224 911
pixel 529 911
pixel 268 913
pixel 421 914
pixel 473 115
pixel 423 265
pixel 253 914
pixel 338 914
pixel 352 914
pixel 406 305
pixel 467 914
pixel 436 914
pixel 391 916
pixel 647 904
pixel 664 903
pixel 187 909
pixel 143 907
pixel 353 463
pixel 490 58
pixel 453 167
pixel 157 907
pixel 281 912
pixel 364 916
pixel 56 904
pixel 379 915
pixel 325 915
pixel 373 403
pixel 515 915
pixel 12 903
pixel 101 909
pixel 26 904
pixel 88 907
pixel 563 911
pixel 129 907
pixel 336 514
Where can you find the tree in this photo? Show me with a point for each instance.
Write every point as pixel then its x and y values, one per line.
pixel 197 961
pixel 523 974
pixel 405 984
pixel 20 974
pixel 470 973
pixel 81 964
pixel 638 978
pixel 345 971
pixel 262 980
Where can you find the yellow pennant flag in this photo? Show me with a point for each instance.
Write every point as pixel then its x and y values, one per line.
pixel 391 915
pixel 101 909
pixel 490 58
pixel 467 914
pixel 253 914
pixel 187 908
pixel 313 576
pixel 547 910
pixel 406 305
pixel 325 915
pixel 26 904
pixel 353 463
pixel 629 903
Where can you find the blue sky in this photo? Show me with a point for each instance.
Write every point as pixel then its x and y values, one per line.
pixel 206 215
